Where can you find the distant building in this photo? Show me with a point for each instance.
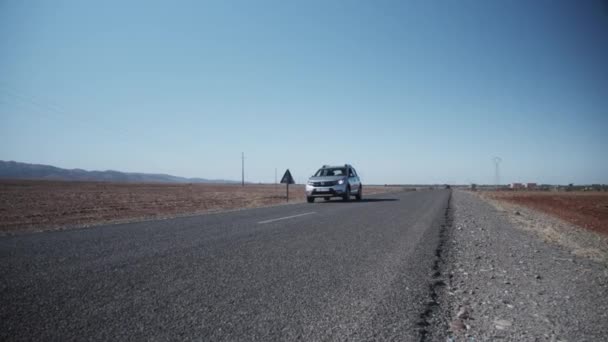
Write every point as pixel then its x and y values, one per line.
pixel 531 186
pixel 517 186
pixel 599 187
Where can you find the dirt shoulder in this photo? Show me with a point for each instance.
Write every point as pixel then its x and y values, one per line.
pixel 508 282
pixel 585 209
pixel 54 205
pixel 559 219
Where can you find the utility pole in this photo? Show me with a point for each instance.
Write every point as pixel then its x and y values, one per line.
pixel 275 179
pixel 242 168
pixel 497 161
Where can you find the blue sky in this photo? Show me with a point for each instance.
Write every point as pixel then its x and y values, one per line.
pixel 407 91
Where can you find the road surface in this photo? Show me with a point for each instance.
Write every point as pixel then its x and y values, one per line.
pixel 323 271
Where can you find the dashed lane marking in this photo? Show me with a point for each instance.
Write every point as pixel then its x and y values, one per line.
pixel 286 217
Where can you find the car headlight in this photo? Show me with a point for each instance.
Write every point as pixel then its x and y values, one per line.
pixel 309 183
pixel 341 181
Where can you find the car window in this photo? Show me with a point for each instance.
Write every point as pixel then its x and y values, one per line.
pixel 338 171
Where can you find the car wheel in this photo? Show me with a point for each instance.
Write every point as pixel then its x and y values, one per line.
pixel 310 199
pixel 347 194
pixel 359 193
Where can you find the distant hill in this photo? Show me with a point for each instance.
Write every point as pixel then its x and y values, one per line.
pixel 16 170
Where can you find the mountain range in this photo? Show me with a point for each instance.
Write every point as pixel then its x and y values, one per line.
pixel 17 170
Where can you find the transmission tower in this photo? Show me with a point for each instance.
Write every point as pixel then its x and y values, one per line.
pixel 497 161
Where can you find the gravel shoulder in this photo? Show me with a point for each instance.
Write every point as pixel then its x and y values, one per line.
pixel 579 241
pixel 516 275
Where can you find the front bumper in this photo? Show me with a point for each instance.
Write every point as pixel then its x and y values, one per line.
pixel 325 191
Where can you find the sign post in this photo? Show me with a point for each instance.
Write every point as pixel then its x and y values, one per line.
pixel 287 179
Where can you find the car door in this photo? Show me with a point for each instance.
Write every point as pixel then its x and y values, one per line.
pixel 353 180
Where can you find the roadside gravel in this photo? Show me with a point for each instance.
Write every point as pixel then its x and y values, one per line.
pixel 551 229
pixel 506 283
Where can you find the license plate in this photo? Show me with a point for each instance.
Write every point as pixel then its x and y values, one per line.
pixel 324 190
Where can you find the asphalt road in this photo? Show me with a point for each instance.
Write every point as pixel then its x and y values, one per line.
pixel 323 271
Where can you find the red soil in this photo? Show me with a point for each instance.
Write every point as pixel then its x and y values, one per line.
pixel 586 209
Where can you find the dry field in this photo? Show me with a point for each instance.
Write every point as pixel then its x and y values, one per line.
pixel 49 205
pixel 585 209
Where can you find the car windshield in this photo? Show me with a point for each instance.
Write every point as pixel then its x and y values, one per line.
pixel 331 171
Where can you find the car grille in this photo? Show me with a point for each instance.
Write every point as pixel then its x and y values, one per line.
pixel 324 183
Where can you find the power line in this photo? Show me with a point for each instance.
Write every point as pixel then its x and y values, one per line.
pixel 50 111
pixel 35 101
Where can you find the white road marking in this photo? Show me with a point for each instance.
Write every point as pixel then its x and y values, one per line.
pixel 286 217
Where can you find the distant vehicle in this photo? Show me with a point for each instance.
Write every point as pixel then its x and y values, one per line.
pixel 334 181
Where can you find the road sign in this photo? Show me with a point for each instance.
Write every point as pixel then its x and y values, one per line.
pixel 287 179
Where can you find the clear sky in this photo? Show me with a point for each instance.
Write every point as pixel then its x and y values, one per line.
pixel 406 91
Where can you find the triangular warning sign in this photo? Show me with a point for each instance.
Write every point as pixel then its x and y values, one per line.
pixel 287 178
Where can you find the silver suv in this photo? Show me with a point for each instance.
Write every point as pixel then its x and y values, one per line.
pixel 334 181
